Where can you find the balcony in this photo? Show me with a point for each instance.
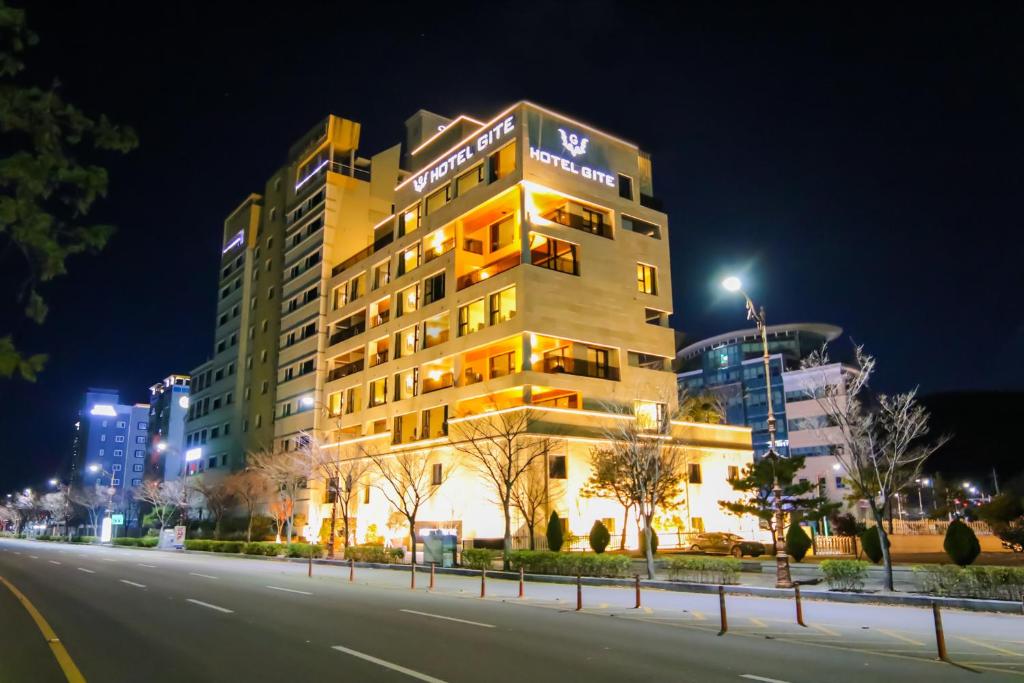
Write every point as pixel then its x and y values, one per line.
pixel 442 381
pixel 593 222
pixel 345 370
pixel 576 366
pixel 347 333
pixel 355 258
pixel 437 251
pixel 381 318
pixel 490 270
pixel 378 358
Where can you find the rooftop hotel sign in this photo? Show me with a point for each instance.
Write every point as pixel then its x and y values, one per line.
pixel 465 154
pixel 568 148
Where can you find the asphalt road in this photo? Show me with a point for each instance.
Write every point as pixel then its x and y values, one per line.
pixel 139 615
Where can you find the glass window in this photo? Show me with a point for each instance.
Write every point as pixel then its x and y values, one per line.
pixel 433 288
pixel 649 414
pixel 353 397
pixel 503 305
pixel 357 286
pixel 557 467
pixel 502 364
pixel 435 474
pixel 503 162
pixel 381 274
pixel 467 181
pixel 405 341
pixel 438 199
pixel 553 254
pixel 404 429
pixel 625 186
pixel 694 473
pixel 646 278
pixel 642 227
pixel 597 359
pixel 471 317
pixel 503 233
pixel 435 330
pixel 408 299
pixel 334 403
pixel 406 384
pixel 435 422
pixel 378 392
pixel 409 220
pixel 409 259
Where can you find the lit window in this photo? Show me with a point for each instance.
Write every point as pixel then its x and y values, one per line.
pixel 649 414
pixel 406 384
pixel 694 474
pixel 503 233
pixel 405 341
pixel 471 317
pixel 436 474
pixel 409 259
pixel 334 403
pixel 435 330
pixel 467 181
pixel 409 220
pixel 438 199
pixel 646 278
pixel 503 162
pixel 553 254
pixel 503 305
pixel 408 299
pixel 378 392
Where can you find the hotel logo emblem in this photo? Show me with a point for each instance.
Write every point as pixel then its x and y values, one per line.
pixel 573 143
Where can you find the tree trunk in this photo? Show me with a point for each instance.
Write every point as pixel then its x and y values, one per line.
pixel 508 537
pixel 334 517
pixel 625 523
pixel 883 539
pixel 530 526
pixel 648 552
pixel 216 528
pixel 248 529
pixel 412 541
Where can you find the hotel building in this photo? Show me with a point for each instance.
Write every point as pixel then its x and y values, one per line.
pixel 516 263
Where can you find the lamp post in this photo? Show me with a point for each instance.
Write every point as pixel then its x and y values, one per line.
pixel 332 482
pixel 107 518
pixel 783 579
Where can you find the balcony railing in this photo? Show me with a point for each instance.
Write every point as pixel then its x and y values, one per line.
pixel 355 258
pixel 346 370
pixel 381 318
pixel 432 253
pixel 575 366
pixel 577 222
pixel 378 358
pixel 446 380
pixel 489 271
pixel 347 333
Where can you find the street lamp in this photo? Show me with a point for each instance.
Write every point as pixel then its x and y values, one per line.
pixel 783 579
pixel 106 530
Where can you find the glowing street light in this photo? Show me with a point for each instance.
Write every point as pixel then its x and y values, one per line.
pixel 307 401
pixel 53 482
pixel 783 579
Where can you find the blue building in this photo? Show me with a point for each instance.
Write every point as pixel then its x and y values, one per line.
pixel 731 365
pixel 111 443
pixel 168 408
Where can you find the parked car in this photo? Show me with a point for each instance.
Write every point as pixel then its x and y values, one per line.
pixel 721 543
pixel 1014 546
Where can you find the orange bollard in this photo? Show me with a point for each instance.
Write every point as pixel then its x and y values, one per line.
pixel 310 572
pixel 940 636
pixel 351 570
pixel 483 583
pixel 721 605
pixel 637 592
pixel 412 576
pixel 579 593
pixel 432 565
pixel 799 607
pixel 521 582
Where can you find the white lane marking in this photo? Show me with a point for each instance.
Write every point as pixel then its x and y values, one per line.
pixel 87 571
pixel 53 562
pixel 107 559
pixel 206 604
pixel 288 590
pixel 752 677
pixel 440 616
pixel 388 665
pixel 205 576
pixel 132 583
pixel 17 553
pixel 151 566
pixel 34 557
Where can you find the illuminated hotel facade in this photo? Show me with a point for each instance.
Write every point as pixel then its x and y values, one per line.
pixel 517 263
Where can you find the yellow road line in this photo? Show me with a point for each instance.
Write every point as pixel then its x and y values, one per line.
pixel 758 623
pixel 699 616
pixel 1000 650
pixel 67 665
pixel 897 636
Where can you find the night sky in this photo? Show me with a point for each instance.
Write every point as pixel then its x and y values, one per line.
pixel 863 168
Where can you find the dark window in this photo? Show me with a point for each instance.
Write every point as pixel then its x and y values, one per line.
pixel 625 186
pixel 695 477
pixel 433 288
pixel 555 255
pixel 557 468
pixel 435 474
pixel 734 472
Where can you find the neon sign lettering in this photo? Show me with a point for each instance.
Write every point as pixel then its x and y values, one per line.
pixel 570 166
pixel 499 132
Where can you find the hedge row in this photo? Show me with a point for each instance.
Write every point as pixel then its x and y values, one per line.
pixel 716 570
pixel 269 549
pixel 83 539
pixel 479 558
pixel 374 553
pixel 569 564
pixel 145 542
pixel 991 583
pixel 845 575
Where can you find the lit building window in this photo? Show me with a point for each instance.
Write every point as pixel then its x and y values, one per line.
pixel 646 278
pixel 471 317
pixel 649 414
pixel 435 330
pixel 503 305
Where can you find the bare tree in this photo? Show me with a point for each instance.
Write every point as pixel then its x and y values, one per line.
pixel 530 496
pixel 350 476
pixel 164 497
pixel 9 514
pixel 341 469
pixel 58 506
pixel 286 472
pixel 249 488
pixel 501 446
pixel 28 505
pixel 648 465
pixel 94 500
pixel 218 497
pixel 405 480
pixel 607 481
pixel 881 439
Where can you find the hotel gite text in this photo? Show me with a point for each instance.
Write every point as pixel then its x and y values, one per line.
pixel 570 166
pixel 497 133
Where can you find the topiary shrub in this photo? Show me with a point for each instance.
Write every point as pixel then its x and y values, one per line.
pixel 797 542
pixel 961 544
pixel 478 558
pixel 599 537
pixel 715 570
pixel 554 532
pixel 872 545
pixel 845 575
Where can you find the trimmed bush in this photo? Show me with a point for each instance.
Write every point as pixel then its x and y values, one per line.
pixel 226 546
pixel 716 570
pixel 197 544
pixel 961 544
pixel 872 545
pixel 478 558
pixel 126 541
pixel 302 549
pixel 374 552
pixel 264 548
pixel 845 575
pixel 989 583
pixel 569 564
pixel 148 542
pixel 44 537
pixel 599 537
pixel 797 542
pixel 83 539
pixel 554 533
